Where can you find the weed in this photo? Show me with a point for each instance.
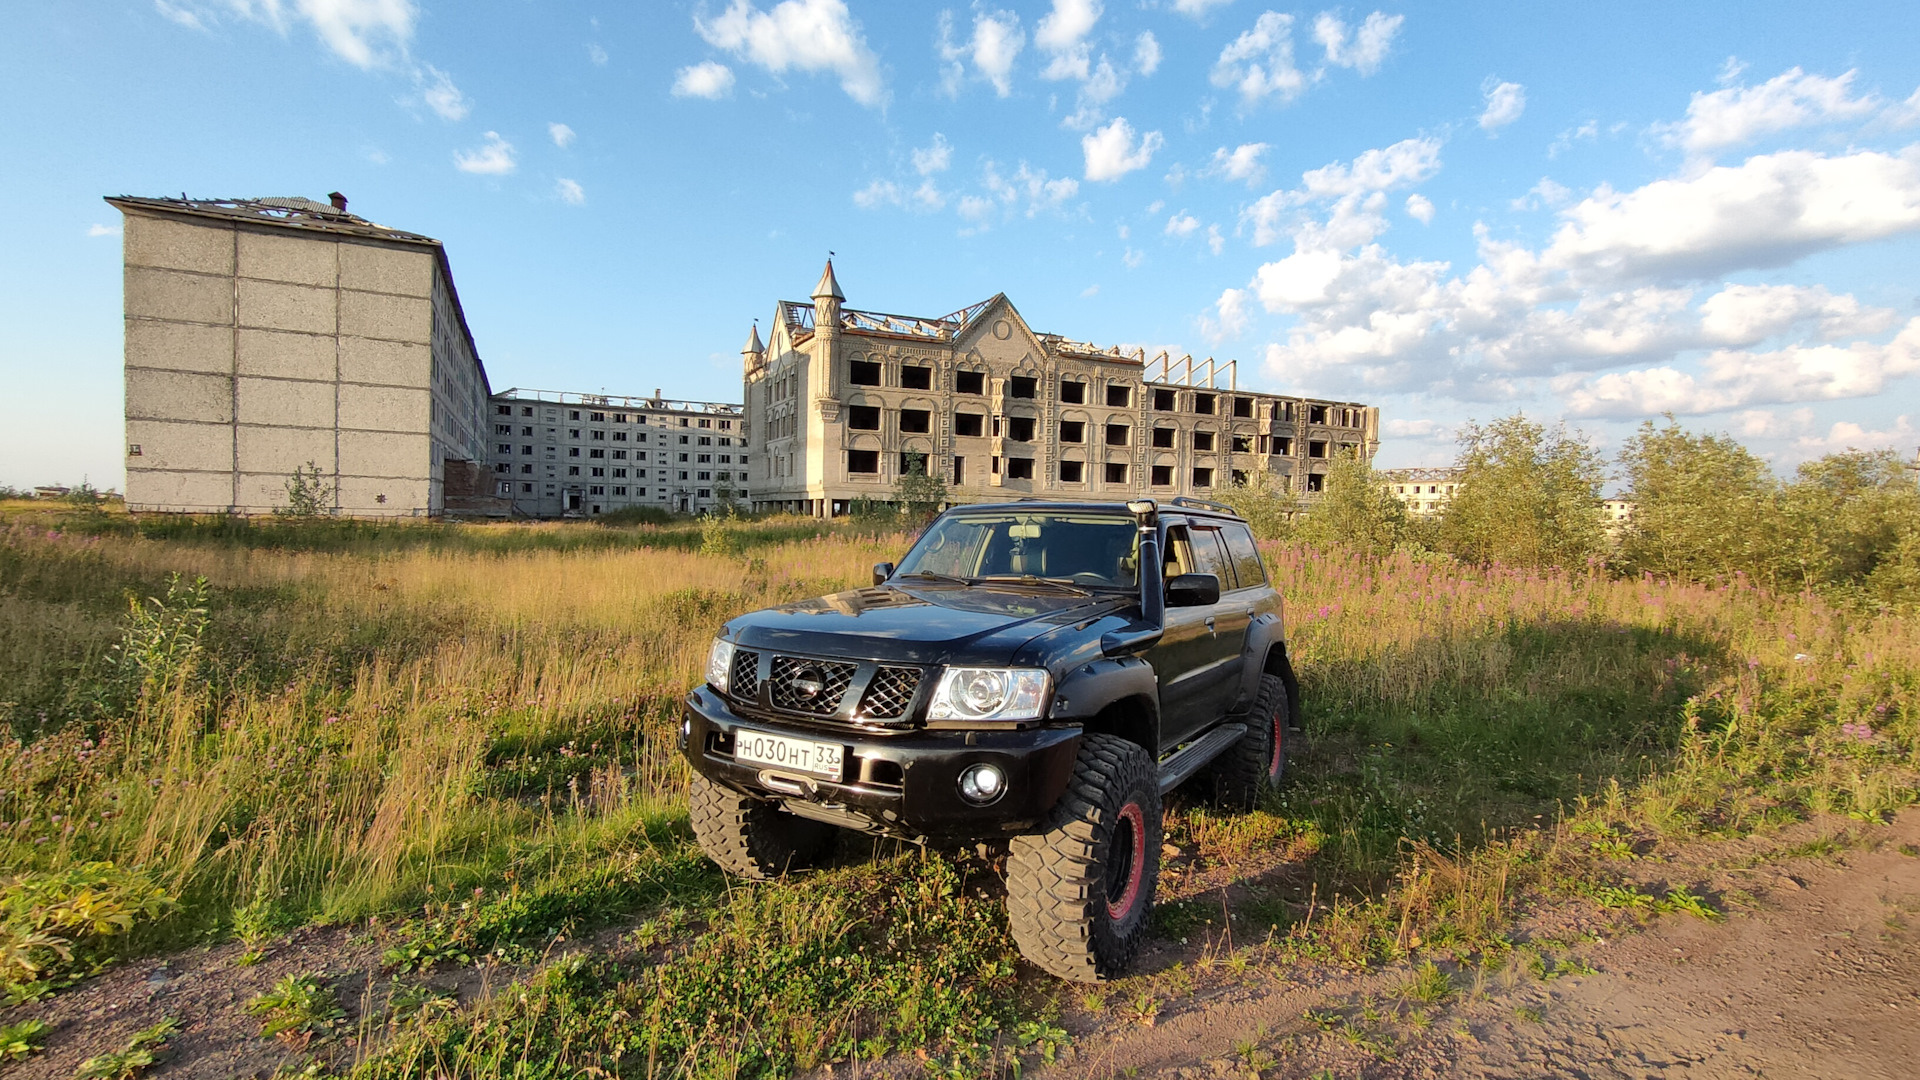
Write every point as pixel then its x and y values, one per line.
pixel 1254 1058
pixel 1683 899
pixel 55 926
pixel 1180 918
pixel 1324 1019
pixel 1911 851
pixel 298 1009
pixel 1041 1037
pixel 142 1051
pixel 1093 1001
pixel 419 1002
pixel 17 1040
pixel 1530 1014
pixel 1429 985
pixel 1141 1008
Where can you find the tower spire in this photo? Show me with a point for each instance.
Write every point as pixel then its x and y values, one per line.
pixel 829 286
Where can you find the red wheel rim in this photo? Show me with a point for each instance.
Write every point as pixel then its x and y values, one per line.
pixel 1279 733
pixel 1127 859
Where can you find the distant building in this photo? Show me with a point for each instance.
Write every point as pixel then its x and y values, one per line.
pixel 840 403
pixel 1616 512
pixel 264 334
pixel 565 455
pixel 1424 490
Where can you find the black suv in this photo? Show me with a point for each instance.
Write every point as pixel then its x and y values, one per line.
pixel 1036 674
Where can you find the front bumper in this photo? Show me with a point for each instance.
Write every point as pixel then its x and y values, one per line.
pixel 902 784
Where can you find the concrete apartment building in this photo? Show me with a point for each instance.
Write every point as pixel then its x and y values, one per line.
pixel 565 455
pixel 263 334
pixel 839 400
pixel 1424 490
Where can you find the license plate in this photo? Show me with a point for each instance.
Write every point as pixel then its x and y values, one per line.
pixel 800 755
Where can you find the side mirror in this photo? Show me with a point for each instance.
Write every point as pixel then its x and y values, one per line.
pixel 883 571
pixel 1193 590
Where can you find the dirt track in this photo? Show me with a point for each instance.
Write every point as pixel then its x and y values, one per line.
pixel 1816 974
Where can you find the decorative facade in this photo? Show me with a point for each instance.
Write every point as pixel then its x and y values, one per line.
pixel 840 402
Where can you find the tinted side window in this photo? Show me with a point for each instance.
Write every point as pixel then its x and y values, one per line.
pixel 1209 557
pixel 1246 557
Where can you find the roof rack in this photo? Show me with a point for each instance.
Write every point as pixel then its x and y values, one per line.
pixel 1190 502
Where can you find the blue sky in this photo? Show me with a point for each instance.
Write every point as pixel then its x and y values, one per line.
pixel 1597 212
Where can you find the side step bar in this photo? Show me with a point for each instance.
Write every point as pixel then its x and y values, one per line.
pixel 1189 759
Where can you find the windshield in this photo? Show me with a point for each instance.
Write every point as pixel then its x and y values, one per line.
pixel 1090 550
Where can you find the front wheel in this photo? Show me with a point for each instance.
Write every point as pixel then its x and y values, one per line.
pixel 751 838
pixel 1080 890
pixel 1253 766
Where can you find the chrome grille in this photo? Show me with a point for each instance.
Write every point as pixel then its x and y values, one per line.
pixel 890 693
pixel 745 679
pixel 809 686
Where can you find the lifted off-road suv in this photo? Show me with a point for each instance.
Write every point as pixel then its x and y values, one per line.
pixel 1033 674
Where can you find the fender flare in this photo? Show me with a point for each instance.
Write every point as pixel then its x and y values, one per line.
pixel 1265 634
pixel 1088 689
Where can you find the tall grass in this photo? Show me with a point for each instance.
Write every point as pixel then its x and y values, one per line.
pixel 381 720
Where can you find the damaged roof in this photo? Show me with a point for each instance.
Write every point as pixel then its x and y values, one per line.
pixel 289 212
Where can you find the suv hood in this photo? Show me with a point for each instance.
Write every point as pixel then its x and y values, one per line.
pixel 920 624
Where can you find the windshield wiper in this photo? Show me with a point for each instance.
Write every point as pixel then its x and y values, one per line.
pixel 1029 579
pixel 928 575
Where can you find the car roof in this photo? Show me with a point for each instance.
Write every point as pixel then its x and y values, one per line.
pixel 1096 507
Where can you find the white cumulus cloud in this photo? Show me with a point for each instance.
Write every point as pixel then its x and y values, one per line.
pixel 1062 35
pixel 934 157
pixel 1182 224
pixel 1259 63
pixel 1740 114
pixel 1240 163
pixel 569 191
pixel 1420 209
pixel 707 79
pixel 561 134
pixel 878 193
pixel 1505 102
pixel 103 230
pixel 1366 48
pixel 995 44
pixel 1146 53
pixel 1765 212
pixel 1112 151
pixel 1734 379
pixel 1405 163
pixel 438 91
pixel 806 35
pixel 495 158
pixel 1198 8
pixel 1228 319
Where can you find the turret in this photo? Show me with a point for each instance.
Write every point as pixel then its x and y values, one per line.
pixel 753 354
pixel 826 336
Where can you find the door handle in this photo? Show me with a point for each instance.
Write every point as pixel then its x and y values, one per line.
pixel 1210 628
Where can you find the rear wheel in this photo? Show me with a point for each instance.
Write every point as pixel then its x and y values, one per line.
pixel 752 838
pixel 1253 766
pixel 1080 890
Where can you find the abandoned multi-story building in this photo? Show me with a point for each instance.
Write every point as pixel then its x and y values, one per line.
pixel 1424 490
pixel 266 334
pixel 840 403
pixel 564 454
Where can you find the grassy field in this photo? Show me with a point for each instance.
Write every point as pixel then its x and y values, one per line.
pixel 467 732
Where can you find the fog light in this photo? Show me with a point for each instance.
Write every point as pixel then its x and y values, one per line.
pixel 686 733
pixel 982 784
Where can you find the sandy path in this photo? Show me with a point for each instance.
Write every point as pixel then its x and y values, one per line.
pixel 1819 976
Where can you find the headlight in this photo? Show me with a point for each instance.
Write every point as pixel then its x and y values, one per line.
pixel 720 664
pixel 989 694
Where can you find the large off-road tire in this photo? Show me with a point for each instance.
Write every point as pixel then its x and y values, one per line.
pixel 1253 766
pixel 1080 890
pixel 751 838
